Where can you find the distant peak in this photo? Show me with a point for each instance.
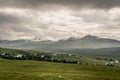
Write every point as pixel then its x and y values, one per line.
pixel 72 38
pixel 90 37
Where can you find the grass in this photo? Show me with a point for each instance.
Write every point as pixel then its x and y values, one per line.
pixel 85 60
pixel 38 70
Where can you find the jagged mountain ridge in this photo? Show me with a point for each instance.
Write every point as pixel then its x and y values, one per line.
pixel 87 42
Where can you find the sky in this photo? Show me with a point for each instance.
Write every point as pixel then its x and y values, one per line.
pixel 59 19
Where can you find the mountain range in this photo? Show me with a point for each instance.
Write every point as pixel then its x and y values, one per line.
pixel 87 42
pixel 88 45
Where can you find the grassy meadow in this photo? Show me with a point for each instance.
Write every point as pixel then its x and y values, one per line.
pixel 41 70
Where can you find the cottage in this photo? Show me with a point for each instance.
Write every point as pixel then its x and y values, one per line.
pixel 2 54
pixel 42 56
pixel 109 64
pixel 54 54
pixel 18 56
pixel 112 63
pixel 116 61
pixel 69 55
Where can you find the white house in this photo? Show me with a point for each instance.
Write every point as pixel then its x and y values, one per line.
pixel 116 61
pixel 18 55
pixel 54 54
pixel 69 54
pixel 42 56
pixel 112 63
pixel 3 54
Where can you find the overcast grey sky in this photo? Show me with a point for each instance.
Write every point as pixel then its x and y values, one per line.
pixel 59 19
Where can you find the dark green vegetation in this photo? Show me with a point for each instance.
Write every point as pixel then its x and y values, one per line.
pixel 39 70
pixel 14 54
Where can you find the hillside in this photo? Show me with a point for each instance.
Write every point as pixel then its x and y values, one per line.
pixel 11 54
pixel 113 52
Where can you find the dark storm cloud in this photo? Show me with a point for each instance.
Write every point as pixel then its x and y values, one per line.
pixel 25 19
pixel 7 18
pixel 68 3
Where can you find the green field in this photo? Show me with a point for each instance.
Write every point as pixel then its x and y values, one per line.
pixel 38 70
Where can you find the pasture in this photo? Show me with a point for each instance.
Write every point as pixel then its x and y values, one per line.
pixel 41 70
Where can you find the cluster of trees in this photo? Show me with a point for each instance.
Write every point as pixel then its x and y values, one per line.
pixel 64 61
pixel 106 59
pixel 38 57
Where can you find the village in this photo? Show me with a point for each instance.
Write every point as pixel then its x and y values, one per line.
pixel 60 58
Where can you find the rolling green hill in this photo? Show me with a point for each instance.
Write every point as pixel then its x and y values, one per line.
pixel 96 52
